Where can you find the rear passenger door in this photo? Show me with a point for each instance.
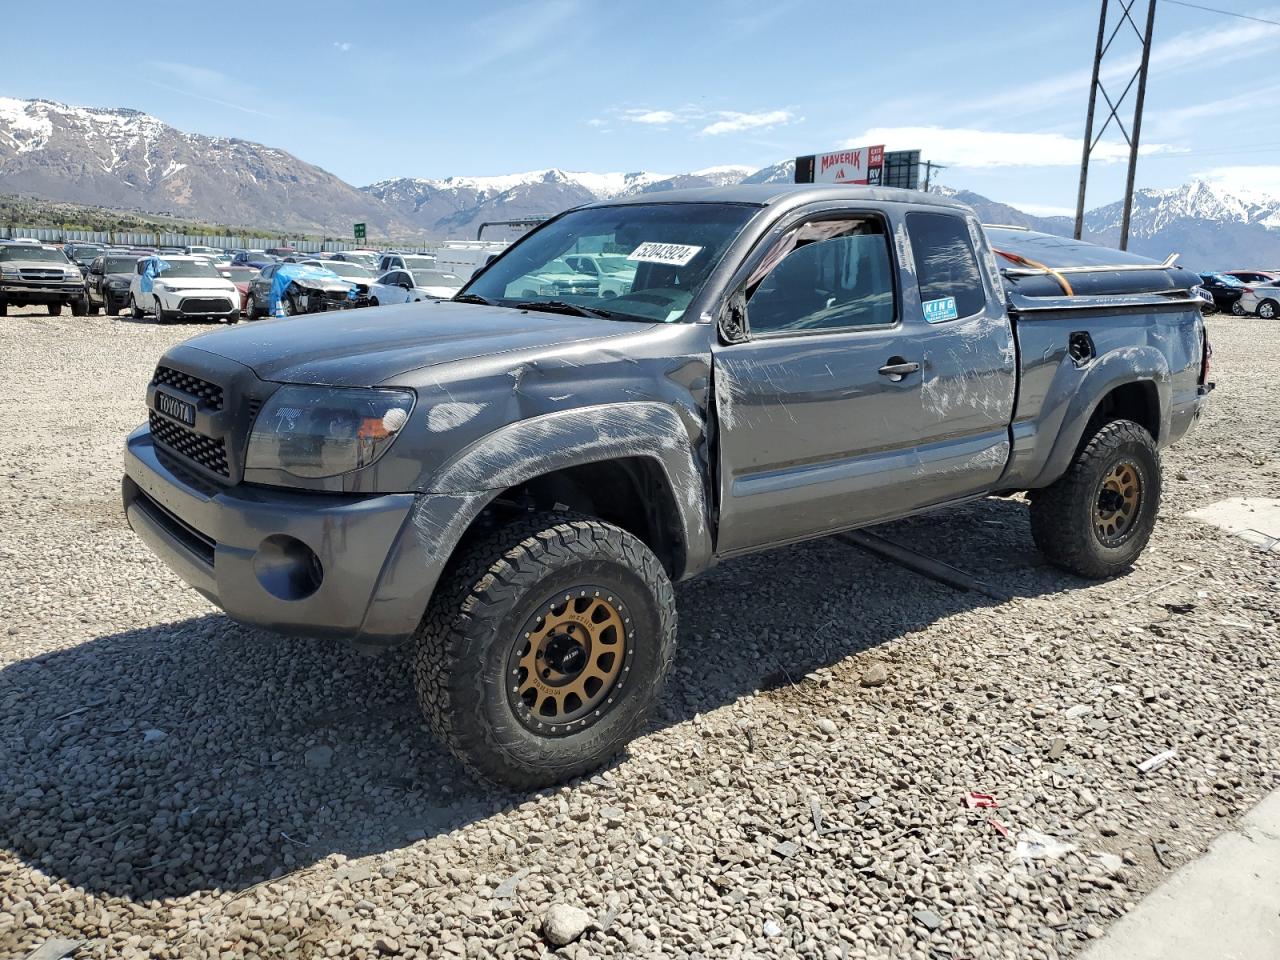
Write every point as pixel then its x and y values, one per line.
pixel 969 377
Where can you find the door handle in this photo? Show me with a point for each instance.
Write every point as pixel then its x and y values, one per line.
pixel 897 368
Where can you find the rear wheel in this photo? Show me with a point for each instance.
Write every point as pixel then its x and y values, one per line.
pixel 1236 309
pixel 544 648
pixel 1096 519
pixel 1268 309
pixel 4 309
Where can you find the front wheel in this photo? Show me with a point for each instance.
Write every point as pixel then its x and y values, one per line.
pixel 1096 519
pixel 373 301
pixel 544 648
pixel 134 310
pixel 79 308
pixel 1268 309
pixel 55 309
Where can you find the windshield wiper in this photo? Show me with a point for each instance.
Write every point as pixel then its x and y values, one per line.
pixel 563 306
pixel 472 298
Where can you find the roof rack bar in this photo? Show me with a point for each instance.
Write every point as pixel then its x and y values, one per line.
pixel 1008 226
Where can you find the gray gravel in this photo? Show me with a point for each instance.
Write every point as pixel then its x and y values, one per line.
pixel 175 785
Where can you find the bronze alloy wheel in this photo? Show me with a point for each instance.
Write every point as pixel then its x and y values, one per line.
pixel 1118 504
pixel 569 661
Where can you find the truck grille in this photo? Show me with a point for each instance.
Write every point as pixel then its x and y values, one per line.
pixel 44 275
pixel 210 393
pixel 205 305
pixel 209 452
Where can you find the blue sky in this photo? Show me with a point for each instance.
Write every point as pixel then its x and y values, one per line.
pixel 995 90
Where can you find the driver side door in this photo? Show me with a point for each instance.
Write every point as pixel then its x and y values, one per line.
pixel 820 408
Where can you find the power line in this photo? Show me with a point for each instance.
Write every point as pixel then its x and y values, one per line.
pixel 1225 13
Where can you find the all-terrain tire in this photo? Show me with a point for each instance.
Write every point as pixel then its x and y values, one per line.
pixel 1065 515
pixel 478 616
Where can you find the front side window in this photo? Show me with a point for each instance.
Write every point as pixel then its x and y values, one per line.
pixel 946 266
pixel 669 248
pixel 824 275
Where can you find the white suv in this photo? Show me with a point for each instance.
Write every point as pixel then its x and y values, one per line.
pixel 181 288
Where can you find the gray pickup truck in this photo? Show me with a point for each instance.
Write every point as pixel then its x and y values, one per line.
pixel 35 274
pixel 512 480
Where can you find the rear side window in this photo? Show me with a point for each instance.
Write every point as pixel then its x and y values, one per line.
pixel 946 266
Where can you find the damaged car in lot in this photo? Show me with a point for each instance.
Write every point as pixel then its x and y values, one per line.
pixel 511 482
pixel 290 289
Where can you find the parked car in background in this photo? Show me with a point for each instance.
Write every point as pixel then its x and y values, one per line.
pixel 251 258
pixel 280 252
pixel 366 258
pixel 614 273
pixel 1225 290
pixel 362 277
pixel 106 285
pixel 555 279
pixel 82 254
pixel 290 289
pixel 198 250
pixel 1261 300
pixel 39 274
pixel 182 288
pixel 405 261
pixel 408 286
pixel 241 277
pixel 1255 276
pixel 1207 306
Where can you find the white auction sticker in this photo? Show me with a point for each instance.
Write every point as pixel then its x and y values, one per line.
pixel 672 254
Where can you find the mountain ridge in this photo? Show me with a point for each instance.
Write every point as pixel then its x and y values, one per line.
pixel 124 158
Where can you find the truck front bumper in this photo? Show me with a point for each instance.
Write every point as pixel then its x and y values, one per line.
pixel 27 294
pixel 359 568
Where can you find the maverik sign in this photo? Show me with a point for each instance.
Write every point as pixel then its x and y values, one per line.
pixel 861 165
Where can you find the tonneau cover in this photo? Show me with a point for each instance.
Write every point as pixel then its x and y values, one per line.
pixel 1020 255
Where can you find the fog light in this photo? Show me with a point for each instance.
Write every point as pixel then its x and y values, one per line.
pixel 287 568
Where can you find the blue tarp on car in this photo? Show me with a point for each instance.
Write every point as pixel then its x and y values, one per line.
pixel 152 268
pixel 288 272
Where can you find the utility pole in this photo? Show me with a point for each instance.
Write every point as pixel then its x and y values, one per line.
pixel 1096 87
pixel 928 173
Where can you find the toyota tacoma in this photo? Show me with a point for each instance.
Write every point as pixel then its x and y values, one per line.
pixel 512 481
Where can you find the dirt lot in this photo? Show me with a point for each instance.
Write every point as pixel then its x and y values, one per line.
pixel 175 785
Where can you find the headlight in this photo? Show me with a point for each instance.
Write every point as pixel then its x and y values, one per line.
pixel 117 284
pixel 325 431
pixel 9 272
pixel 159 288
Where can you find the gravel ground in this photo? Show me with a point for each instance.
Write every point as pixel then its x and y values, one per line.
pixel 175 785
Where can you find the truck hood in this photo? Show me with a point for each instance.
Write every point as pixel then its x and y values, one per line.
pixel 364 347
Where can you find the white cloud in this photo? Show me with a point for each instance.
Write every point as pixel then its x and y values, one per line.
pixel 1193 48
pixel 967 147
pixel 1249 182
pixel 342 46
pixel 733 122
pixel 654 117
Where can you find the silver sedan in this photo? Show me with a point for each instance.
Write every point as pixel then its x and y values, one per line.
pixel 1261 299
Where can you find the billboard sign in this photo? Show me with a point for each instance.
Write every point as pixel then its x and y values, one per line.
pixel 865 166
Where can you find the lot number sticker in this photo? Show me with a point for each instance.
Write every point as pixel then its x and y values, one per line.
pixel 671 254
pixel 942 309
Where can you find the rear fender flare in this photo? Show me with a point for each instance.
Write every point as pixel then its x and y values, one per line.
pixel 1145 364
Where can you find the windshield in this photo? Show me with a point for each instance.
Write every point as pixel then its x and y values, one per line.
pixel 663 252
pixel 119 264
pixel 240 274
pixel 418 263
pixel 343 269
pixel 31 253
pixel 435 278
pixel 189 268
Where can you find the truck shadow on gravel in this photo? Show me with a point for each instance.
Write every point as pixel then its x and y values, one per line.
pixel 172 759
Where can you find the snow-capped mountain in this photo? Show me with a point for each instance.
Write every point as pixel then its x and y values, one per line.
pixel 455 206
pixel 126 159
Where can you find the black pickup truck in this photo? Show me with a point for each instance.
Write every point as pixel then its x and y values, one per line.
pixel 513 482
